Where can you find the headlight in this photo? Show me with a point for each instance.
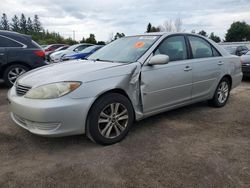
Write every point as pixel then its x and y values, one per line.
pixel 51 91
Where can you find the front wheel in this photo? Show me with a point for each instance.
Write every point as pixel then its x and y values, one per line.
pixel 221 94
pixel 110 119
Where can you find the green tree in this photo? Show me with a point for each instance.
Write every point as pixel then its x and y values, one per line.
pixel 214 37
pixel 101 43
pixel 83 40
pixel 203 33
pixel 23 24
pixel 91 39
pixel 149 27
pixel 238 31
pixel 15 24
pixel 4 22
pixel 29 26
pixel 119 35
pixel 37 26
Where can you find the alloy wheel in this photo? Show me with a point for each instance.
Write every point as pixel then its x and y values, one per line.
pixel 223 92
pixel 113 120
pixel 15 73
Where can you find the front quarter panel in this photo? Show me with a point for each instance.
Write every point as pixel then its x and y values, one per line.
pixel 128 82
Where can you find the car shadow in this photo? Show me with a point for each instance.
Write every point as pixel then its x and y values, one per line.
pixel 142 127
pixel 246 79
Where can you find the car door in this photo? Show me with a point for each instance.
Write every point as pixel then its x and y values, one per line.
pixel 207 66
pixel 167 85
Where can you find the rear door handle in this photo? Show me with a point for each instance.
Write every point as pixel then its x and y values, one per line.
pixel 187 68
pixel 220 63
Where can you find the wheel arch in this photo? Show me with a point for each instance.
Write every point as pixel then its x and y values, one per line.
pixel 115 90
pixel 229 78
pixel 4 67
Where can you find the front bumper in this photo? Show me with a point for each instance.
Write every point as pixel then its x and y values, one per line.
pixel 53 117
pixel 246 70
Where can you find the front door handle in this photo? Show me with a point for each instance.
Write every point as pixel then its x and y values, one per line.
pixel 187 68
pixel 1 54
pixel 220 63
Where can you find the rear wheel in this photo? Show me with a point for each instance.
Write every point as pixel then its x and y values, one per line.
pixel 110 119
pixel 221 94
pixel 13 72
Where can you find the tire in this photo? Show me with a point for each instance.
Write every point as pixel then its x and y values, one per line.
pixel 12 73
pixel 105 127
pixel 221 94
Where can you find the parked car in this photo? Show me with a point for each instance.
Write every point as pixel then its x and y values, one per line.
pixel 47 56
pixel 57 56
pixel 236 50
pixel 52 47
pixel 129 79
pixel 18 54
pixel 82 54
pixel 245 61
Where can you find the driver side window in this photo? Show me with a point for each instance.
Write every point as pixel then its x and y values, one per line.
pixel 174 47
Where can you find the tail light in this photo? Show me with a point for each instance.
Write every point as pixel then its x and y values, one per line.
pixel 40 53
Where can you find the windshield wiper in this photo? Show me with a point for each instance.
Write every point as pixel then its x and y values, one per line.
pixel 100 60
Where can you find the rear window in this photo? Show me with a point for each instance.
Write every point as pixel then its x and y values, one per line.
pixel 8 43
pixel 201 48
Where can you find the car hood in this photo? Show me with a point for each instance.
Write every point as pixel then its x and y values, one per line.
pixel 77 70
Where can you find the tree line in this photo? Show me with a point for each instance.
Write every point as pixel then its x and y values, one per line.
pixel 33 27
pixel 237 32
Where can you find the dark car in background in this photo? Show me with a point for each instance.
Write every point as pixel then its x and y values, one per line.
pixel 245 61
pixel 236 49
pixel 18 54
pixel 82 54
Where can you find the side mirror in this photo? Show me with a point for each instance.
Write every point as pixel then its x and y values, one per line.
pixel 159 59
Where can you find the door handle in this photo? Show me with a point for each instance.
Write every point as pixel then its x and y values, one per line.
pixel 187 68
pixel 1 54
pixel 220 63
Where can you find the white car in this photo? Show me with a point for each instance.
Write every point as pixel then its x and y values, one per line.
pixel 57 56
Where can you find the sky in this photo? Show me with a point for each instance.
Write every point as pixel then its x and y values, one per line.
pixel 106 17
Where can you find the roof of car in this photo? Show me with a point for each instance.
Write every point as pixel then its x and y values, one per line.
pixel 166 33
pixel 12 33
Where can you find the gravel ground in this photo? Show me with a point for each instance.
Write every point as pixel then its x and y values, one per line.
pixel 195 146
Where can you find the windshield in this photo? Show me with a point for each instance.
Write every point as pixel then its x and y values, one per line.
pixel 71 48
pixel 248 53
pixel 88 49
pixel 126 49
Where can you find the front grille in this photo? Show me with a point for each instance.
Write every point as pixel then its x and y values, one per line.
pixel 21 89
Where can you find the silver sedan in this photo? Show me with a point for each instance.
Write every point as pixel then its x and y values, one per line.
pixel 125 81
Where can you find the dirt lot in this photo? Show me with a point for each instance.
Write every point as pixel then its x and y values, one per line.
pixel 195 146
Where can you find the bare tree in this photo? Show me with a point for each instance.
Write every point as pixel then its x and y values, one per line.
pixel 170 26
pixel 167 26
pixel 178 24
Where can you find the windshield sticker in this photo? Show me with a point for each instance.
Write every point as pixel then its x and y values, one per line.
pixel 139 44
pixel 147 38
